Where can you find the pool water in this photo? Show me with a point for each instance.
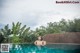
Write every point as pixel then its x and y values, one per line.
pixel 50 48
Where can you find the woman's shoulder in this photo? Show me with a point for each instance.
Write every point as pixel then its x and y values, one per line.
pixel 36 41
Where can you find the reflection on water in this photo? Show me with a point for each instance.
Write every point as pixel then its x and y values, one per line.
pixel 63 46
pixel 50 48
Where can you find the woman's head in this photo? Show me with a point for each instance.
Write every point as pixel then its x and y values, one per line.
pixel 40 38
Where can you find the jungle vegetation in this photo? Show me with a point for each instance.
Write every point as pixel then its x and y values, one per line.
pixel 23 34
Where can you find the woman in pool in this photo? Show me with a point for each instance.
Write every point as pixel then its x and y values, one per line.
pixel 40 41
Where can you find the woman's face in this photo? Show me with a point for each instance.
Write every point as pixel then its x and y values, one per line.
pixel 39 38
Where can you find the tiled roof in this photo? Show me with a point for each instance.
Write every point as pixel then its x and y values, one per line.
pixel 68 37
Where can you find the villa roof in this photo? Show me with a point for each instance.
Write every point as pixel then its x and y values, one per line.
pixel 68 37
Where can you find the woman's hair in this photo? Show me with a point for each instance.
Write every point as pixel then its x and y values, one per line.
pixel 41 38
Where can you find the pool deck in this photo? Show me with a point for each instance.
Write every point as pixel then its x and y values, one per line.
pixel 46 43
pixel 66 43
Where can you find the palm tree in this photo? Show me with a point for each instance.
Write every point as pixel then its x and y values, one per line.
pixel 6 32
pixel 1 37
pixel 20 34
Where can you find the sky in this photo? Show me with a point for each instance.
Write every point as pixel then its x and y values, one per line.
pixel 35 13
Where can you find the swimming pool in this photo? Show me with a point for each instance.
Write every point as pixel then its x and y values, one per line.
pixel 49 48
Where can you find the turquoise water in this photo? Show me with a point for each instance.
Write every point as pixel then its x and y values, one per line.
pixel 50 48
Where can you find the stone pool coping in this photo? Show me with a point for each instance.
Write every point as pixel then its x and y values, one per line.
pixel 47 43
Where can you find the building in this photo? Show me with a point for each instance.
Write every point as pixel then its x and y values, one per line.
pixel 68 37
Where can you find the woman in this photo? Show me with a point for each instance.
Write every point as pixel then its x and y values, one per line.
pixel 40 41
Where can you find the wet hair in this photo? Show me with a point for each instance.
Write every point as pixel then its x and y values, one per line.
pixel 41 38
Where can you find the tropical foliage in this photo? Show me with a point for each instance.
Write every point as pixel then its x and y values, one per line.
pixel 19 33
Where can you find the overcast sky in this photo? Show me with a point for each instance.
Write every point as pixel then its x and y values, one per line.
pixel 34 13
